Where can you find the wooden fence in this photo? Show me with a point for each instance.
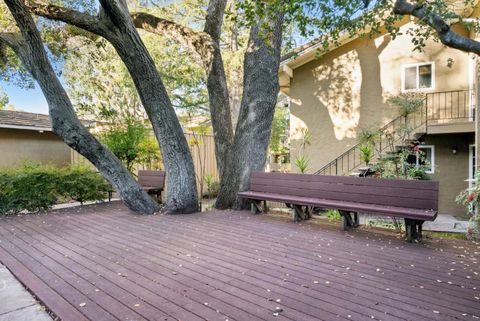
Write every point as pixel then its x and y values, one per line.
pixel 202 148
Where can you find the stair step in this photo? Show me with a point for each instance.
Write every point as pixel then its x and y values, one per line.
pixel 355 174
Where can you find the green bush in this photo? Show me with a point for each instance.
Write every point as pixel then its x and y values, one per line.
pixel 82 184
pixel 39 187
pixel 213 186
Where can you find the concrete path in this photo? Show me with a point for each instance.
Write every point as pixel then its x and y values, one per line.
pixel 16 303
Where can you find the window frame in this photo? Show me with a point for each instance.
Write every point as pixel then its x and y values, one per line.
pixel 471 163
pixel 417 65
pixel 432 162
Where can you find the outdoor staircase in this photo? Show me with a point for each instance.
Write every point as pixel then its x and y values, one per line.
pixel 439 106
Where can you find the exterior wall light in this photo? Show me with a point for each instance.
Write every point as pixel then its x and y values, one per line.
pixel 454 150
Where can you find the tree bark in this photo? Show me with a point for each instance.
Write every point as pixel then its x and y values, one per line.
pixel 252 133
pixel 29 48
pixel 116 26
pixel 180 172
pixel 219 103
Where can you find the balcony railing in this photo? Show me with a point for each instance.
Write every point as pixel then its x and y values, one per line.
pixel 439 106
pixel 449 105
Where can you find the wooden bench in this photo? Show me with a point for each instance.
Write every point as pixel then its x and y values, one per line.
pixel 152 182
pixel 415 201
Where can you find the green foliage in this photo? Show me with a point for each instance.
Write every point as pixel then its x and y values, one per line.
pixel 131 143
pixel 368 136
pixel 213 186
pixel 38 187
pixel 99 83
pixel 302 163
pixel 306 138
pixel 407 103
pixel 82 184
pixel 333 215
pixel 399 165
pixel 279 130
pixel 366 152
pixel 3 100
pixel 330 21
pixel 470 198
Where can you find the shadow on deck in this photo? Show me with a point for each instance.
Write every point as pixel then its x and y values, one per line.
pixel 103 263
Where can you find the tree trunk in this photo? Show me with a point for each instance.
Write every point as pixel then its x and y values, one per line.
pixel 254 125
pixel 65 123
pixel 116 26
pixel 180 172
pixel 217 87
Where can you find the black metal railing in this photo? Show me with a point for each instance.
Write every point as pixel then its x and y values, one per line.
pixel 446 105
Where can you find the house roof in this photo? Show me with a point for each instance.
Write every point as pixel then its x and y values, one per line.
pixel 24 120
pixel 30 121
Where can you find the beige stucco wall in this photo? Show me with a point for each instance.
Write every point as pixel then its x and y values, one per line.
pixel 346 90
pixel 18 146
pixel 451 170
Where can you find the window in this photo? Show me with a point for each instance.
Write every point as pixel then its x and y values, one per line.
pixel 428 159
pixel 418 76
pixel 472 164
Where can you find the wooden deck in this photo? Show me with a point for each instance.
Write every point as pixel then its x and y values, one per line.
pixel 104 263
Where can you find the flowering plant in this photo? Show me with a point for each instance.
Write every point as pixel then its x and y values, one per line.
pixel 470 198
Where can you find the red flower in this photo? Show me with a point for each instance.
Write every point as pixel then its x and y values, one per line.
pixel 416 148
pixel 470 197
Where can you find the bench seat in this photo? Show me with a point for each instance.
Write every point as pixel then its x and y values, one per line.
pixel 413 200
pixel 152 189
pixel 152 182
pixel 412 213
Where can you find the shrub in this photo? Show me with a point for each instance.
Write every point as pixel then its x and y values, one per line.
pixel 82 184
pixel 213 186
pixel 366 152
pixel 36 187
pixel 470 198
pixel 407 103
pixel 130 142
pixel 302 163
pixel 30 188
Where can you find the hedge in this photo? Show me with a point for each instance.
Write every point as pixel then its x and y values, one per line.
pixel 38 187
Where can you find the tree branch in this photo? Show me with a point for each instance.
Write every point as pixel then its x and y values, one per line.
pixel 219 101
pixel 444 32
pixel 214 19
pixel 11 39
pixel 199 42
pixel 73 17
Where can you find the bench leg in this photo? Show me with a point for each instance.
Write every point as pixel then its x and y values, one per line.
pixel 356 220
pixel 413 230
pixel 301 213
pixel 348 221
pixel 308 211
pixel 254 207
pixel 265 207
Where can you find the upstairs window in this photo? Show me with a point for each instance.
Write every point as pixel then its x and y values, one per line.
pixel 418 76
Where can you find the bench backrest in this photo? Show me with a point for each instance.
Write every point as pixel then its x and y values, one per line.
pixel 393 192
pixel 151 178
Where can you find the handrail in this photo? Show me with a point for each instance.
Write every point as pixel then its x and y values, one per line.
pixel 431 111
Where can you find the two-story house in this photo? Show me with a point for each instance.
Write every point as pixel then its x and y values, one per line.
pixel 334 96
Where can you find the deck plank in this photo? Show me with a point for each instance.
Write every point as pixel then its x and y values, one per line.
pixel 233 266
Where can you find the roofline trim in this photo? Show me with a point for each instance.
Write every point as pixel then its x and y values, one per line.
pixel 344 39
pixel 40 129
